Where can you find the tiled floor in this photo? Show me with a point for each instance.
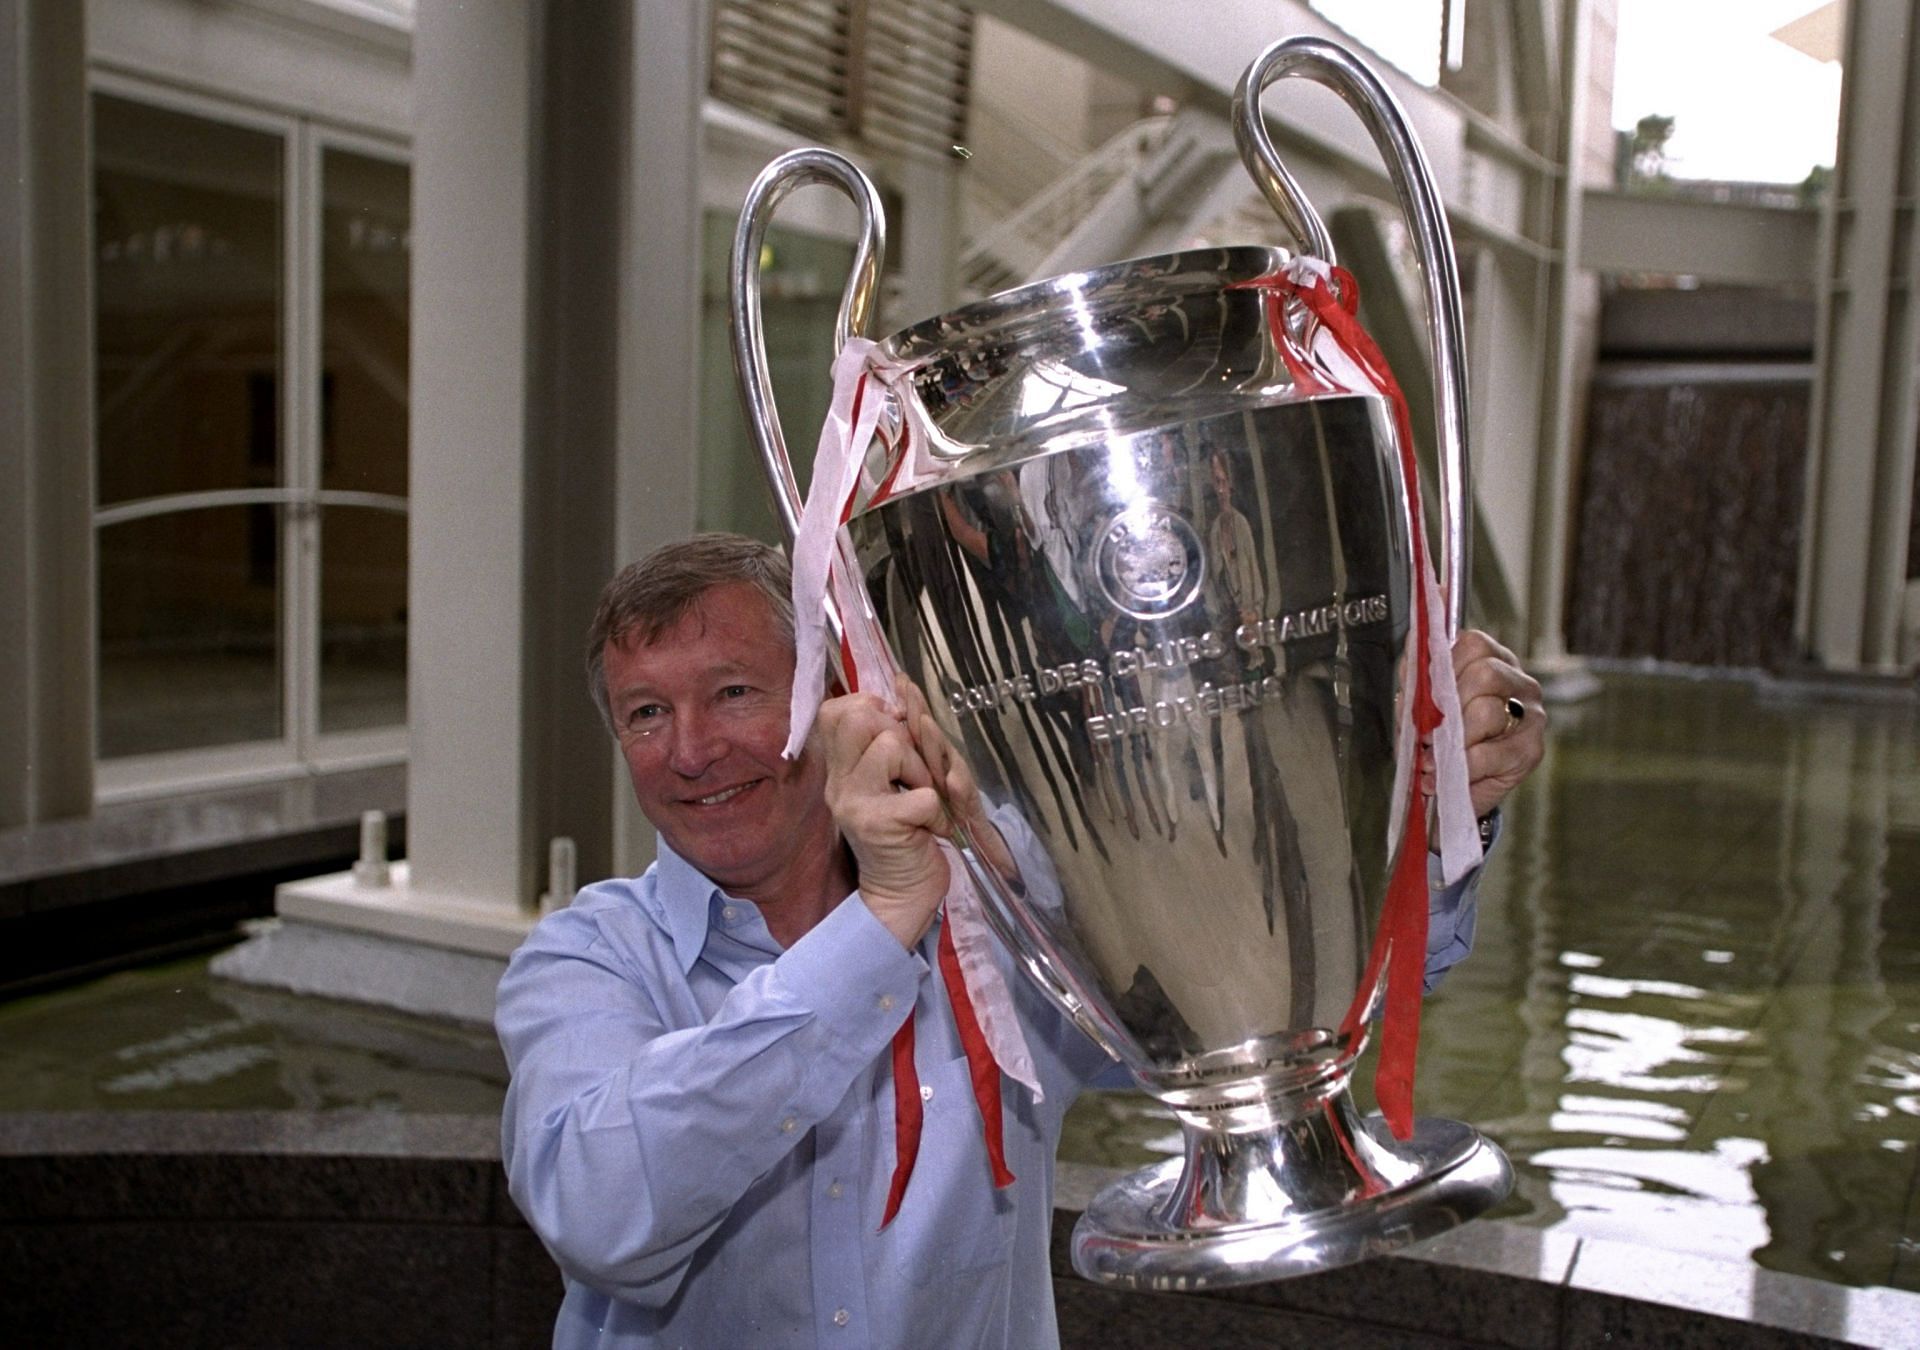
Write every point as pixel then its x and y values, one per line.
pixel 1693 1013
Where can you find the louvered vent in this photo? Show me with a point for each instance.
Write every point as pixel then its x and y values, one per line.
pixel 890 75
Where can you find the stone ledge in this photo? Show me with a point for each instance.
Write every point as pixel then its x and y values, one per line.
pixel 193 838
pixel 243 1227
pixel 384 971
pixel 403 912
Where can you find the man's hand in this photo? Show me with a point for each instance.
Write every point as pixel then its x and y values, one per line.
pixel 883 768
pixel 966 809
pixel 1501 749
pixel 881 794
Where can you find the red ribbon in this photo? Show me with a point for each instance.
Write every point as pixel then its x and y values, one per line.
pixel 908 1114
pixel 981 1070
pixel 1401 942
pixel 906 1118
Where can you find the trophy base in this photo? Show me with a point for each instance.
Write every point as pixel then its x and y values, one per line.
pixel 1294 1197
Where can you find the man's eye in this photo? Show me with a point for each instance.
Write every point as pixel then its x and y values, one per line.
pixel 646 712
pixel 734 691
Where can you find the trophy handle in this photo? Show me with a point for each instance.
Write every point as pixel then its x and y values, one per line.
pixel 746 329
pixel 1360 89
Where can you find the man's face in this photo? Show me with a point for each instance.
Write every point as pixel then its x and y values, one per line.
pixel 1222 484
pixel 701 716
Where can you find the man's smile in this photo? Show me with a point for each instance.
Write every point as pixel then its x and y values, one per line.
pixel 723 796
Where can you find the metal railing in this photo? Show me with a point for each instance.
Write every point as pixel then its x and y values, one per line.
pixel 1008 253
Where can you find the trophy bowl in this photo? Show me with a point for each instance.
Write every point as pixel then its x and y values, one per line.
pixel 1159 590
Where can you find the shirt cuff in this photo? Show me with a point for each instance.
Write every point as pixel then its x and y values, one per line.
pixel 1453 913
pixel 854 974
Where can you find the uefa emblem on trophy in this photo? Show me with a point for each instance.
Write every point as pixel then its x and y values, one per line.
pixel 1149 538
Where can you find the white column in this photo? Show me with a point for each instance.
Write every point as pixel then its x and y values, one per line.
pixel 655 480
pixel 1509 430
pixel 46 415
pixel 1866 412
pixel 1568 321
pixel 556 309
pixel 929 241
pixel 474 89
pixel 431 940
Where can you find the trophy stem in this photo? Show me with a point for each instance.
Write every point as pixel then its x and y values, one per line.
pixel 1311 1186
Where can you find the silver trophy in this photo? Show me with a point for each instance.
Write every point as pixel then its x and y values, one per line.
pixel 1160 596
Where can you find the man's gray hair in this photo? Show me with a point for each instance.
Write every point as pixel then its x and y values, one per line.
pixel 649 597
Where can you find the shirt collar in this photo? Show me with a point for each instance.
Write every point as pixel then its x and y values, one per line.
pixel 686 899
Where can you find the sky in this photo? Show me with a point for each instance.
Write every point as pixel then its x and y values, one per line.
pixel 1745 105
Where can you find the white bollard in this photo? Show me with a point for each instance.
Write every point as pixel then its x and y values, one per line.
pixel 560 875
pixel 371 870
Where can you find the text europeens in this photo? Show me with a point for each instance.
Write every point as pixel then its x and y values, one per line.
pixel 1170 655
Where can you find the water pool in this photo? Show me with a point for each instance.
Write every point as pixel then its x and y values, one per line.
pixel 172 1038
pixel 1693 1012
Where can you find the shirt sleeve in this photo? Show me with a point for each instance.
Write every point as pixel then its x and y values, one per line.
pixel 1452 913
pixel 628 1134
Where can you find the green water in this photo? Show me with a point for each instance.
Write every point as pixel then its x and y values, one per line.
pixel 1692 1015
pixel 173 1038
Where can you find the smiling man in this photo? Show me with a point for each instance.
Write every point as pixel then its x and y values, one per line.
pixel 697 693
pixel 701 1119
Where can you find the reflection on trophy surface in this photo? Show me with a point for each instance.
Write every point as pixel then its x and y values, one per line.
pixel 1159 588
pixel 1195 779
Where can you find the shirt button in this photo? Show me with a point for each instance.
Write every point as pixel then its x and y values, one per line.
pixel 834 1191
pixel 839 1317
pixel 886 1003
pixel 926 1093
pixel 786 1126
pixel 727 914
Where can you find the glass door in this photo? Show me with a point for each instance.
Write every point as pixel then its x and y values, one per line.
pixel 190 286
pixel 359 695
pixel 251 329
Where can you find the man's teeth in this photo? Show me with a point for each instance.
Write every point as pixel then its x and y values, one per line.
pixel 719 797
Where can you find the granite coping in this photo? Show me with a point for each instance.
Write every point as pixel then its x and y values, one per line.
pixel 1494 1282
pixel 191 837
pixel 351 1134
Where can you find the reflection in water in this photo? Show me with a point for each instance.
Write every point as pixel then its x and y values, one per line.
pixel 1611 1115
pixel 1693 1013
pixel 193 1068
pixel 1630 1050
pixel 1702 1202
pixel 171 1038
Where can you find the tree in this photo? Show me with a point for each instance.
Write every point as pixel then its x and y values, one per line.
pixel 1648 163
pixel 1814 187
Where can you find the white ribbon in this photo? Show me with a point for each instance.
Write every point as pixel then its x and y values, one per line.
pixel 824 565
pixel 973 943
pixel 820 543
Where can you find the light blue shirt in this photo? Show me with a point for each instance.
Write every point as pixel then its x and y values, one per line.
pixel 700 1127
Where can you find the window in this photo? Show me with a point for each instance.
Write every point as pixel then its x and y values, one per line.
pixel 251 326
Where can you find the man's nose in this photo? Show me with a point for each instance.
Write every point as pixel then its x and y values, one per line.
pixel 696 744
